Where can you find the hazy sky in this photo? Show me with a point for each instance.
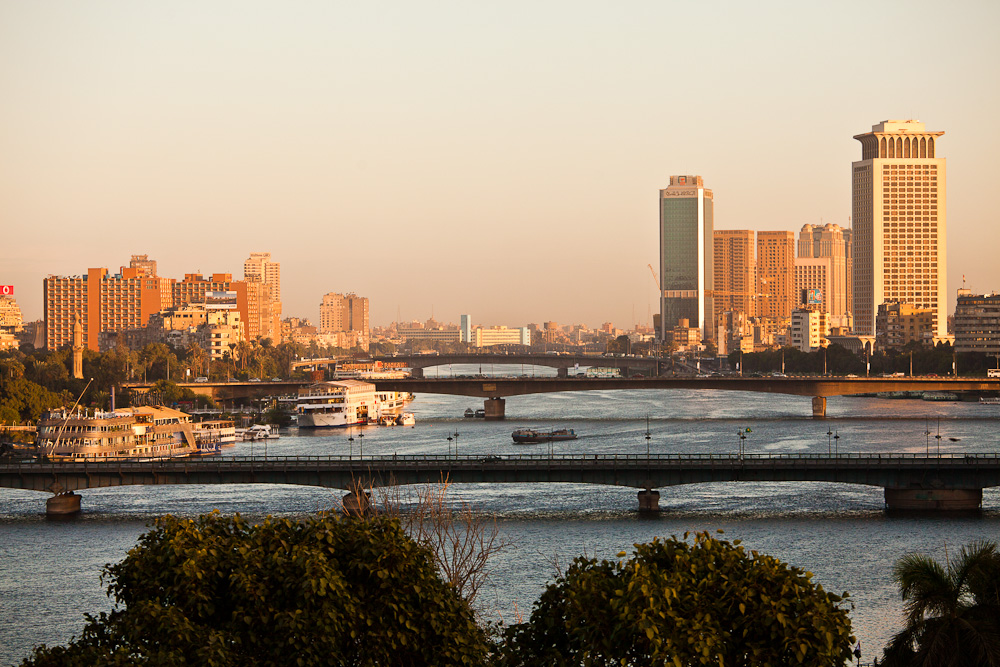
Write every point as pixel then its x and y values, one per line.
pixel 501 159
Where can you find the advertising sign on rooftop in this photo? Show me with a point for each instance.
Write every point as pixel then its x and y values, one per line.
pixel 7 290
pixel 814 296
pixel 220 300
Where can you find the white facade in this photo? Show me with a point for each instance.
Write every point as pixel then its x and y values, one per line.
pixel 899 217
pixel 809 329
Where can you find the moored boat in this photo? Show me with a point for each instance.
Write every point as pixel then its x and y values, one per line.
pixel 343 403
pixel 531 436
pixel 145 432
pixel 406 419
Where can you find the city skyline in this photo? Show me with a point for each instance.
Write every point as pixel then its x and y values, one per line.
pixel 463 158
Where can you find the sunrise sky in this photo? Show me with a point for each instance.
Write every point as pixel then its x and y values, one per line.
pixel 500 159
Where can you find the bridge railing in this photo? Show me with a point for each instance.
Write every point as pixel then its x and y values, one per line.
pixel 438 461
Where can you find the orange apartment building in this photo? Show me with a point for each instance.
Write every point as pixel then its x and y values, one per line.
pixel 118 302
pixel 104 301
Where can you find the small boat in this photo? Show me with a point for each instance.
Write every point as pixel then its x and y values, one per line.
pixel 990 400
pixel 531 436
pixel 257 432
pixel 481 413
pixel 470 413
pixel 406 419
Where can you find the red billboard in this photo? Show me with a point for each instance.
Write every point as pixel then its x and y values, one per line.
pixel 7 290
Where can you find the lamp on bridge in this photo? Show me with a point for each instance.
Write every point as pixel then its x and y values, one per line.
pixel 829 442
pixel 449 446
pixel 456 444
pixel 647 436
pixel 361 445
pixel 836 441
pixel 350 440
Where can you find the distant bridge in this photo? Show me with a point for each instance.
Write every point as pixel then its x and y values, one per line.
pixel 943 482
pixel 494 390
pixel 562 361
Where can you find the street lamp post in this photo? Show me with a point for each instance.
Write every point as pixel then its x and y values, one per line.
pixel 449 438
pixel 829 442
pixel 836 440
pixel 647 437
pixel 350 441
pixel 361 445
pixel 456 444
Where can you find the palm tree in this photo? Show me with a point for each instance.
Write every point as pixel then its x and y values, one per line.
pixel 951 611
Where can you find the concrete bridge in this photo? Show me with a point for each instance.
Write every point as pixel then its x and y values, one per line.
pixel 495 390
pixel 911 481
pixel 627 365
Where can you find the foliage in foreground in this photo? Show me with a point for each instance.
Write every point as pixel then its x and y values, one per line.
pixel 952 610
pixel 317 591
pixel 674 603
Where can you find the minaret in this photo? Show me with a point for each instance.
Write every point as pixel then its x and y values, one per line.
pixel 78 348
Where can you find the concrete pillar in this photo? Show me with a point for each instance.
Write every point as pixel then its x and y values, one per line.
pixel 562 372
pixel 649 500
pixel 494 408
pixel 819 407
pixel 416 372
pixel 62 504
pixel 934 500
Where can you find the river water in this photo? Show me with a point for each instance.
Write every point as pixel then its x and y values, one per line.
pixel 49 569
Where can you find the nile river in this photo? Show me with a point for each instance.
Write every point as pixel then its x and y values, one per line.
pixel 49 569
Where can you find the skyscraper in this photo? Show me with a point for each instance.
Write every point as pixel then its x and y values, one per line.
pixel 775 274
pixel 899 222
pixel 686 247
pixel 259 268
pixel 735 272
pixel 826 242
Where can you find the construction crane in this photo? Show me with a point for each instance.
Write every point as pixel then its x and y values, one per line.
pixel 656 281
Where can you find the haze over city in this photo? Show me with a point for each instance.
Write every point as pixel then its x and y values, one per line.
pixel 455 157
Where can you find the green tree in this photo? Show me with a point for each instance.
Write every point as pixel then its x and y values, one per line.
pixel 674 603
pixel 952 610
pixel 318 591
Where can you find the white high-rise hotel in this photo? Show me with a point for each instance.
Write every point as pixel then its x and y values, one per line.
pixel 899 223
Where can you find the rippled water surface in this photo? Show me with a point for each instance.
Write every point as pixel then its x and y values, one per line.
pixel 49 569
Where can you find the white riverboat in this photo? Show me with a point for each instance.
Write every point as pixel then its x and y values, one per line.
pixel 142 432
pixel 257 432
pixel 335 404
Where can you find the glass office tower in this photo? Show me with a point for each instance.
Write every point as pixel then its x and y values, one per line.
pixel 686 247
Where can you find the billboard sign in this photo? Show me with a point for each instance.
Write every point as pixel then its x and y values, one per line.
pixel 220 300
pixel 814 296
pixel 6 290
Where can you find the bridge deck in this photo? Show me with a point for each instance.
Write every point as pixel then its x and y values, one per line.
pixel 901 471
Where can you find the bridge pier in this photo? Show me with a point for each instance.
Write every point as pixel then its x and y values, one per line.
pixel 649 500
pixel 62 504
pixel 562 372
pixel 941 500
pixel 819 407
pixel 494 408
pixel 417 373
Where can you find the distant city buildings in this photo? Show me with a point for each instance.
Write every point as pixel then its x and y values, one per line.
pixel 899 222
pixel 260 269
pixel 345 314
pixel 735 272
pixel 686 255
pixel 977 323
pixel 109 304
pixel 898 324
pixel 10 322
pixel 775 274
pixel 104 301
pixel 833 243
